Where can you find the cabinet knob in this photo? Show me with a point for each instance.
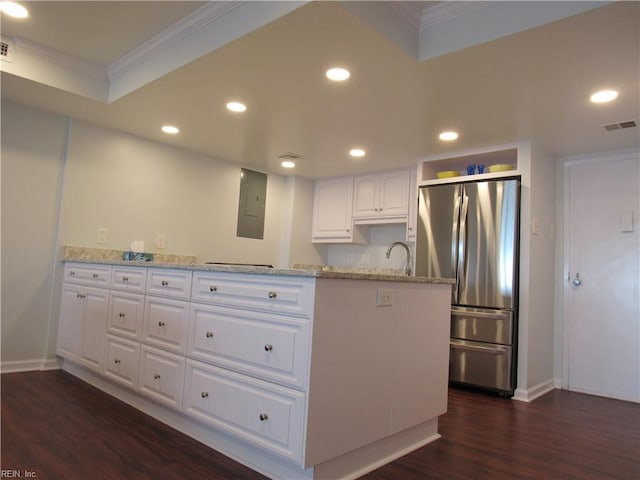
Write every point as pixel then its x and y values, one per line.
pixel 263 417
pixel 125 279
pixel 116 361
pixel 72 273
pixel 80 295
pixel 121 315
pixel 209 334
pixel 273 294
pixel 164 283
pixel 161 323
pixel 268 347
pixel 204 394
pixel 213 288
pixel 156 376
pixel 95 275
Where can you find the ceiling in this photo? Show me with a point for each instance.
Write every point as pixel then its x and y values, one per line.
pixel 134 66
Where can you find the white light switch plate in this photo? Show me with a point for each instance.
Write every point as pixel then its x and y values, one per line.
pixel 385 297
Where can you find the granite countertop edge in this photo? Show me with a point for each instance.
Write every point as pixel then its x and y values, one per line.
pixel 318 272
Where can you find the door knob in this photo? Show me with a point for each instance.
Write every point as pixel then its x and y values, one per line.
pixel 576 281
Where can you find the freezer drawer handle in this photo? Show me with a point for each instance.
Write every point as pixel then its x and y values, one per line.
pixel 476 348
pixel 457 313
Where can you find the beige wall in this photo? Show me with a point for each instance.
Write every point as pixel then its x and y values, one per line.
pixel 55 194
pixel 33 149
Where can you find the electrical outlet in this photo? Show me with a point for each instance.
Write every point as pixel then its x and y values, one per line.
pixel 103 235
pixel 161 239
pixel 385 297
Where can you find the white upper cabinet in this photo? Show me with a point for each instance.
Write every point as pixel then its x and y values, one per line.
pixel 332 212
pixel 382 196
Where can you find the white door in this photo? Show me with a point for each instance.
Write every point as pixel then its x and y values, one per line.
pixel 602 306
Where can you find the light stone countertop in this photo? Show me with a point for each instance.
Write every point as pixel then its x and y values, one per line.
pixel 114 257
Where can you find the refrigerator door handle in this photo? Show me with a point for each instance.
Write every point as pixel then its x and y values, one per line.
pixel 454 244
pixel 462 242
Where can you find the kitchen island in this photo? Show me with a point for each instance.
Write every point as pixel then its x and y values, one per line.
pixel 296 373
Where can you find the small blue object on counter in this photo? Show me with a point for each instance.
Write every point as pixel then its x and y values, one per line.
pixel 137 257
pixel 471 169
pixel 480 168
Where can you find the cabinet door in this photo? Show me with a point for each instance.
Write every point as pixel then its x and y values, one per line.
pixel 366 201
pixel 88 274
pixel 93 328
pixel 165 323
pixel 121 360
pixel 161 376
pixel 169 283
pixel 394 194
pixel 332 209
pixel 130 279
pixel 70 323
pixel 125 314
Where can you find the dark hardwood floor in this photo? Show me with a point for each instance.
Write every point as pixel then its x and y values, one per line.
pixel 58 427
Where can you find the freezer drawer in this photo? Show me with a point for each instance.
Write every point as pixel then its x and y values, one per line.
pixel 480 364
pixel 482 325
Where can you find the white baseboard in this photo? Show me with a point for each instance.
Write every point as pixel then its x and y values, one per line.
pixel 530 394
pixel 29 365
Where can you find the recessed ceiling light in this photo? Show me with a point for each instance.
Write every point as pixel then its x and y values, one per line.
pixel 357 152
pixel 170 129
pixel 448 136
pixel 13 10
pixel 604 96
pixel 236 106
pixel 338 74
pixel 288 164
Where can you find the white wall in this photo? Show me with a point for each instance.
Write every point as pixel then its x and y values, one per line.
pixel 63 179
pixel 33 149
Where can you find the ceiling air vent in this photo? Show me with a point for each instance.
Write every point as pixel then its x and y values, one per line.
pixel 6 50
pixel 289 156
pixel 619 125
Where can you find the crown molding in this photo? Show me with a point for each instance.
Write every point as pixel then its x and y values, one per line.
pixel 172 35
pixel 447 10
pixel 405 13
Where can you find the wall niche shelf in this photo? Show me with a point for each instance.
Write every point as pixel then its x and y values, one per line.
pixel 429 167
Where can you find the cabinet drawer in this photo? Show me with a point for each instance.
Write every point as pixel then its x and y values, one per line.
pixel 129 279
pixel 261 413
pixel 161 376
pixel 88 274
pixel 257 292
pixel 165 323
pixel 125 314
pixel 169 283
pixel 268 346
pixel 121 363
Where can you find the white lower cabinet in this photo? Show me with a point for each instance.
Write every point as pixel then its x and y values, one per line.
pixel 165 323
pixel 121 360
pixel 161 376
pixel 262 413
pixel 125 314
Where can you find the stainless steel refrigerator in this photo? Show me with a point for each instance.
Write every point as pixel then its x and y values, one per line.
pixel 469 232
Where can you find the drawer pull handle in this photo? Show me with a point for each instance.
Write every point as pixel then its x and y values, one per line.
pixel 205 394
pixel 213 288
pixel 79 295
pixel 117 361
pixel 156 376
pixel 268 347
pixel 121 315
pixel 263 417
pixel 164 283
pixel 95 275
pixel 161 323
pixel 125 279
pixel 72 273
pixel 273 294
pixel 209 334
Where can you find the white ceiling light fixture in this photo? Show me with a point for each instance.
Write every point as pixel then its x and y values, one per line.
pixel 448 136
pixel 288 164
pixel 170 129
pixel 236 107
pixel 604 96
pixel 338 74
pixel 357 152
pixel 14 10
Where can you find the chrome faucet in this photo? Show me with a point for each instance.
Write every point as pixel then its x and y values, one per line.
pixel 407 268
